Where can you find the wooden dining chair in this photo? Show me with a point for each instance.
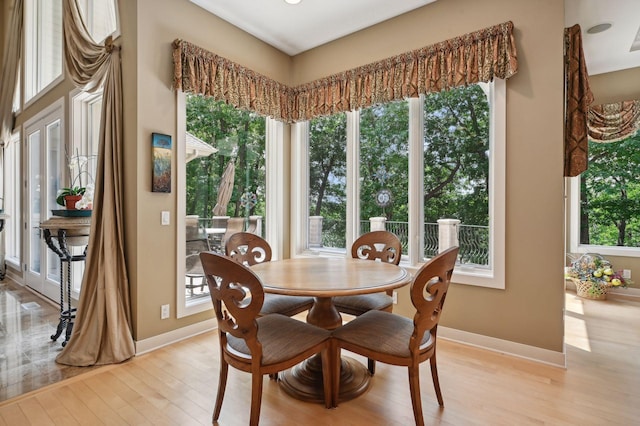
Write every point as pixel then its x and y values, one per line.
pixel 250 249
pixel 382 246
pixel 257 344
pixel 397 340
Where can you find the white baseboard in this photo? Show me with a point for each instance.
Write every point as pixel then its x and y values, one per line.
pixel 173 336
pixel 545 356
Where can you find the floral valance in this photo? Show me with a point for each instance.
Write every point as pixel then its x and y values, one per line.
pixel 613 122
pixel 475 57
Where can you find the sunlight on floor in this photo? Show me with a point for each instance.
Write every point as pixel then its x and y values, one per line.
pixel 576 333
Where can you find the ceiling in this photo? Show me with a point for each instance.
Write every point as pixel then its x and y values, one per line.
pixel 311 23
pixel 609 50
pixel 296 28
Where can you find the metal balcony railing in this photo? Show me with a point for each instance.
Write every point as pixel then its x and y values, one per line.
pixel 472 239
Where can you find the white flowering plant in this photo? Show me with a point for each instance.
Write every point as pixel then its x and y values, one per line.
pixel 78 166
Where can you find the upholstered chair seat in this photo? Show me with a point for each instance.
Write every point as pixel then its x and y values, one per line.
pixel 393 339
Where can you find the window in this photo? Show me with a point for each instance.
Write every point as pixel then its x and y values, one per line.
pixel 43 45
pixel 100 17
pixel 384 168
pixel 327 181
pixel 11 201
pixel 410 163
pixel 43 153
pixel 86 110
pixel 605 200
pixel 221 180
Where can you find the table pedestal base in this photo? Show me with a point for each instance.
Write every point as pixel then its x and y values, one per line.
pixel 304 381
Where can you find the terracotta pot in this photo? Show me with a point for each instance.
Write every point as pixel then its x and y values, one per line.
pixel 71 200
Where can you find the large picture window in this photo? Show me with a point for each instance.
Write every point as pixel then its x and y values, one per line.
pixel 222 186
pixel 605 200
pixel 428 164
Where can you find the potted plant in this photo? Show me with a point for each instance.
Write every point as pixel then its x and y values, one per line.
pixel 77 195
pixel 69 196
pixel 593 275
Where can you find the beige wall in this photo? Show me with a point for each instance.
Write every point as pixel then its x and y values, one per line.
pixel 150 27
pixel 533 299
pixel 616 86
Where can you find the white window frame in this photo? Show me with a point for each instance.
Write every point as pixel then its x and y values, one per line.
pixel 87 7
pixel 494 275
pixel 11 201
pixel 574 228
pixel 275 200
pixel 33 53
pixel 82 135
pixel 184 306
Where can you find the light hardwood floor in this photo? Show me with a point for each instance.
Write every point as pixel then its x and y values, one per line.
pixel 176 385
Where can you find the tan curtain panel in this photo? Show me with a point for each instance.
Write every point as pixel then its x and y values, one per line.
pixel 10 65
pixel 475 57
pixel 613 122
pixel 578 97
pixel 102 329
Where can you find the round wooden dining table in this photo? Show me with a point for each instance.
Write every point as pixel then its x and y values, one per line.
pixel 323 278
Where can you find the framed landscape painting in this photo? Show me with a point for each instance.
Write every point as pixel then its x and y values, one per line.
pixel 161 151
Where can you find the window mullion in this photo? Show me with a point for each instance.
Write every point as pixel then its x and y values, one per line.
pixel 275 203
pixel 353 177
pixel 416 180
pixel 299 187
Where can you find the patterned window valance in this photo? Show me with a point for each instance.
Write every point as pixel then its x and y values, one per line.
pixel 613 122
pixel 475 57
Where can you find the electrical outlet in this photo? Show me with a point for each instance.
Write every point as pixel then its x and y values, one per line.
pixel 395 297
pixel 164 312
pixel 626 273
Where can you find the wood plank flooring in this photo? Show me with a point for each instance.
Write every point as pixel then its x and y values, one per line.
pixel 176 385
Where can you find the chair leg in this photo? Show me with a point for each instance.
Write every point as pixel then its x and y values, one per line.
pixel 327 380
pixel 371 363
pixel 256 398
pixel 414 387
pixel 222 384
pixel 436 382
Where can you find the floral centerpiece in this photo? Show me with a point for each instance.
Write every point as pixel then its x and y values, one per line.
pixel 78 195
pixel 594 275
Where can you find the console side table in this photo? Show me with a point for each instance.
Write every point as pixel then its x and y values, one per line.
pixel 60 234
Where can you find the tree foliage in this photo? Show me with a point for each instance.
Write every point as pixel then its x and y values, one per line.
pixel 328 175
pixel 384 160
pixel 456 160
pixel 610 194
pixel 239 136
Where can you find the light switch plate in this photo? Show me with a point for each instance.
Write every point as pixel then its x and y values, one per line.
pixel 165 218
pixel 164 311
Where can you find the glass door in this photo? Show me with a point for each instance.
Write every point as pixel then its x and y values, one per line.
pixel 44 177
